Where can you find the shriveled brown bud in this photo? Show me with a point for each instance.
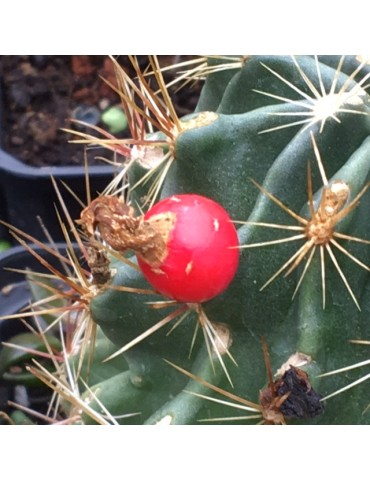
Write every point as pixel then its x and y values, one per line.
pixel 121 230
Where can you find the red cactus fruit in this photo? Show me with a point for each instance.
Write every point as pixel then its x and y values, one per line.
pixel 198 257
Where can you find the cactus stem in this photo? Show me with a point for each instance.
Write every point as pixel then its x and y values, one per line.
pixel 319 230
pixel 322 105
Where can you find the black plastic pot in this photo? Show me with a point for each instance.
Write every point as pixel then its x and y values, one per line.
pixel 14 295
pixel 27 192
pixel 14 291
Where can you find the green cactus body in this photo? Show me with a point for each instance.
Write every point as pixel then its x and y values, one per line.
pixel 219 160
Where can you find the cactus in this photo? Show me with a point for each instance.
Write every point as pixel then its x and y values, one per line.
pixel 283 145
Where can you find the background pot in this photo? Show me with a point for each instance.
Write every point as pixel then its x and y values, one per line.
pixel 15 295
pixel 27 192
pixel 14 290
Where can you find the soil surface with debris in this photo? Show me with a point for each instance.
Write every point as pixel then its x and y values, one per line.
pixel 40 94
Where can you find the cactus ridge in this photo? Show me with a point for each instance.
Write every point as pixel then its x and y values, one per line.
pixel 319 230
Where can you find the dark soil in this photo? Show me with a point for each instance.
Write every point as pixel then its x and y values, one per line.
pixel 41 93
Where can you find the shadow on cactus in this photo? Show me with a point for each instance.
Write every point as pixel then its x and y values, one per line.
pixel 260 118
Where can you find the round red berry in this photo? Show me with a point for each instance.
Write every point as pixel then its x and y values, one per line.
pixel 201 255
